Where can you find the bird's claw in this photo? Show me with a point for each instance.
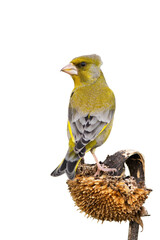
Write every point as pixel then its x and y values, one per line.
pixel 105 169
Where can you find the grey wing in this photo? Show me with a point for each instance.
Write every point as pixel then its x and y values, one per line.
pixel 86 128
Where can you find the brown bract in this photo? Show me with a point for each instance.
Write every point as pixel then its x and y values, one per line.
pixel 109 198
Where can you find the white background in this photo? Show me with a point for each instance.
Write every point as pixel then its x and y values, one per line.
pixel 37 39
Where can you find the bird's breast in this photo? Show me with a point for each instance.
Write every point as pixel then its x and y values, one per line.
pixel 92 99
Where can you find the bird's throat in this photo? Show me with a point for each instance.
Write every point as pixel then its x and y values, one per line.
pixel 77 81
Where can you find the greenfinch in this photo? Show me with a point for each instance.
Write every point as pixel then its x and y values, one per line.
pixel 90 114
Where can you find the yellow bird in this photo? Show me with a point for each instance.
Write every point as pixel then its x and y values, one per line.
pixel 90 114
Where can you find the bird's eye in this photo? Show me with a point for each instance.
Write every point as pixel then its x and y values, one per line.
pixel 83 64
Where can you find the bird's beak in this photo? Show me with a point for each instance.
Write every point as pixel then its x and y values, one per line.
pixel 70 69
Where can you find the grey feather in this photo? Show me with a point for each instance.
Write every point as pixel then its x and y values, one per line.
pixel 77 135
pixel 105 116
pixel 91 127
pixel 85 128
pixel 82 120
pixel 79 126
pixel 92 135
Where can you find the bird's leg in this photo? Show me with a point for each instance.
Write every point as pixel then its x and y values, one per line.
pixel 101 167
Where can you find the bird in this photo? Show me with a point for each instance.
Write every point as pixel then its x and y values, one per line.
pixel 90 113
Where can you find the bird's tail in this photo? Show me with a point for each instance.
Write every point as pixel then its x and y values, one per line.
pixel 68 165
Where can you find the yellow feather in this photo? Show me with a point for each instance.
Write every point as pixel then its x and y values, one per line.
pixel 103 128
pixel 70 131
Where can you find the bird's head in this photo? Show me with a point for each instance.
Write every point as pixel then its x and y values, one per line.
pixel 84 69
